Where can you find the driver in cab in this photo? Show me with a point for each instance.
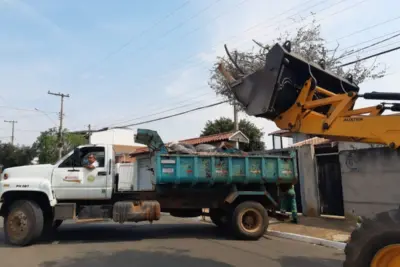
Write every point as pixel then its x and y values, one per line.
pixel 92 162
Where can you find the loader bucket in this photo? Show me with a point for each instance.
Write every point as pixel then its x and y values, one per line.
pixel 273 89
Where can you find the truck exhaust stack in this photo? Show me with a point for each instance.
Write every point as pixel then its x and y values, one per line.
pixel 270 91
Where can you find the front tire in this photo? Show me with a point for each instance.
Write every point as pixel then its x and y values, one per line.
pixel 23 223
pixel 376 243
pixel 249 221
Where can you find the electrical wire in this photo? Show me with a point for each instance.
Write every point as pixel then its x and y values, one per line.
pixel 166 33
pixel 25 109
pixel 364 29
pixel 368 57
pixel 364 42
pixel 368 46
pixel 159 112
pixel 221 102
pixel 194 56
pixel 174 115
pixel 133 38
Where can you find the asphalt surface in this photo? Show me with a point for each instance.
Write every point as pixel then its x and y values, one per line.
pixel 170 242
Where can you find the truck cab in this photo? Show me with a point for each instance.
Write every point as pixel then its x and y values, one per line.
pixel 67 178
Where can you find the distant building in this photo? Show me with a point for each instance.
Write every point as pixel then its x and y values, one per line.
pixel 122 139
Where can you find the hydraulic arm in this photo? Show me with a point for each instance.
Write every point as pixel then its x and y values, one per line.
pixel 300 96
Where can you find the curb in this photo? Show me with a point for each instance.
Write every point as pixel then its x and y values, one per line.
pixel 296 237
pixel 307 239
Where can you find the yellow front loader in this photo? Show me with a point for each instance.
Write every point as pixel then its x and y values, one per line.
pixel 304 97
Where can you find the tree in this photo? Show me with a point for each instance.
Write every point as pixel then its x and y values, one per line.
pixel 11 156
pixel 47 148
pixel 224 124
pixel 306 42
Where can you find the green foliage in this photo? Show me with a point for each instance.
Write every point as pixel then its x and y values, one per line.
pixel 307 42
pixel 47 146
pixel 11 156
pixel 224 124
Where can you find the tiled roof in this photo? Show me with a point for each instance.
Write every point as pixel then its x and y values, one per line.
pixel 311 141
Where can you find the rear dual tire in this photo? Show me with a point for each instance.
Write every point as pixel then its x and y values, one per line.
pixel 249 221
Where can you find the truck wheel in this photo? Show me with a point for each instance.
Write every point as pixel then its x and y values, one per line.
pixel 23 223
pixel 376 243
pixel 249 220
pixel 218 217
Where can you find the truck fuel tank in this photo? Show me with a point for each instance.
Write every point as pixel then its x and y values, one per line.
pixel 136 211
pixel 273 89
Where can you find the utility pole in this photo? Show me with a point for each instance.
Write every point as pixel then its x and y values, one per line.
pixel 60 137
pixel 12 131
pixel 89 132
pixel 236 122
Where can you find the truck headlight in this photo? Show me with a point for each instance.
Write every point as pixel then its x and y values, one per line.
pixel 5 176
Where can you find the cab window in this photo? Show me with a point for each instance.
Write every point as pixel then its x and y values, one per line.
pixel 98 152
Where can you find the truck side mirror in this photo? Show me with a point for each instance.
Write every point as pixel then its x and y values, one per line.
pixel 77 156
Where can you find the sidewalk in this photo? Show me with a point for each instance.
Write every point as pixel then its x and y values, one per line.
pixel 335 229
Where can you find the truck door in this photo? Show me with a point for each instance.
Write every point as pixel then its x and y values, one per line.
pixel 78 182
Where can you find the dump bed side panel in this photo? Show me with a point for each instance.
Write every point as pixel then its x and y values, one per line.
pixel 192 169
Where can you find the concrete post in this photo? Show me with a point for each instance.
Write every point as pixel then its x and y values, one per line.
pixel 308 177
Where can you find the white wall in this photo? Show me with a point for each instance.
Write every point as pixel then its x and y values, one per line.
pixel 115 137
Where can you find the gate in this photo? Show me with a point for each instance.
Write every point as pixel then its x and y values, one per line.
pixel 330 184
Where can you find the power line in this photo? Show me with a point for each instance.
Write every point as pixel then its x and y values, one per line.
pixel 154 108
pixel 44 113
pixel 160 112
pixel 369 46
pixel 174 115
pixel 221 102
pixel 166 33
pixel 366 41
pixel 163 110
pixel 368 57
pixel 25 109
pixel 133 38
pixel 188 59
pixel 379 47
pixel 365 29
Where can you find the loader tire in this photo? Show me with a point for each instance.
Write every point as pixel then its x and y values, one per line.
pixel 23 223
pixel 376 242
pixel 249 221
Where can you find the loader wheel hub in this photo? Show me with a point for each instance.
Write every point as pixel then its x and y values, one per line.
pixel 251 220
pixel 388 256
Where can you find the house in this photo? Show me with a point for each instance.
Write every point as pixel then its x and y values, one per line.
pixel 143 160
pixel 122 141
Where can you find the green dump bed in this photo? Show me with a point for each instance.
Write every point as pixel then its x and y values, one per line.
pixel 196 169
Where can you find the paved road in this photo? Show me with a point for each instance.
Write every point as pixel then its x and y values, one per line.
pixel 169 242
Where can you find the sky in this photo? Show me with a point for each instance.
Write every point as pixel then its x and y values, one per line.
pixel 125 62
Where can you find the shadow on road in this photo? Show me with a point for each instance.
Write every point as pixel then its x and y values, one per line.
pixel 92 233
pixel 135 258
pixel 288 261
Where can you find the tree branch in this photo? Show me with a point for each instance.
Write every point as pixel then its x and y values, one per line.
pixel 233 61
